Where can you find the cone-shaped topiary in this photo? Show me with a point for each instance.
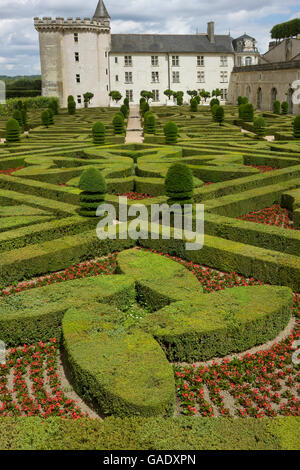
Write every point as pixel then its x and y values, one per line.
pixel 144 107
pixel 71 105
pixel 297 127
pixel 17 115
pixel 220 115
pixel 99 133
pixel 126 102
pixel 124 111
pixel 284 107
pixel 214 111
pixel 45 118
pixel 179 184
pixel 193 105
pixel 260 127
pixel 151 124
pixel 171 132
pixel 12 131
pixel 118 123
pixel 276 107
pixel 54 105
pixel 93 186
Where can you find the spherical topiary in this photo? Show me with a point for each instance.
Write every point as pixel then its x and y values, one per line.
pixel 99 133
pixel 45 118
pixel 297 127
pixel 194 105
pixel 93 186
pixel 171 132
pixel 12 131
pixel 260 127
pixel 17 115
pixel 284 107
pixel 214 101
pixel 219 115
pixel 118 124
pixel 276 107
pixel 179 184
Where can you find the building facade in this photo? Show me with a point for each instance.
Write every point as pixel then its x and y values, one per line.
pixel 79 56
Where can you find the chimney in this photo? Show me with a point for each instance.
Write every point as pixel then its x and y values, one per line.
pixel 211 31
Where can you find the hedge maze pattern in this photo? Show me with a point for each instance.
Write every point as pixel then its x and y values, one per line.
pixel 164 320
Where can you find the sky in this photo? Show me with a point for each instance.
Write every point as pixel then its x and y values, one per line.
pixel 19 48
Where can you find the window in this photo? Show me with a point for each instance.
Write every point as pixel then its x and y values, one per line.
pixel 75 37
pixel 155 95
pixel 176 77
pixel 79 99
pixel 200 61
pixel 105 53
pixel 223 61
pixel 106 71
pixel 224 77
pixel 117 78
pixel 116 60
pixel 201 76
pixel 128 61
pixel 76 56
pixel 128 77
pixel 155 77
pixel 175 60
pixel 78 78
pixel 224 94
pixel 129 95
pixel 154 60
pixel 248 61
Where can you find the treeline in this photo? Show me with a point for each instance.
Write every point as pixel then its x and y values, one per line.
pixel 286 30
pixel 19 87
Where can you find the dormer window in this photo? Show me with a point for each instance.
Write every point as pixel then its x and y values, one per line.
pixel 248 61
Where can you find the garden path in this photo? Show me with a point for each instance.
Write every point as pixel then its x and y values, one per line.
pixel 134 132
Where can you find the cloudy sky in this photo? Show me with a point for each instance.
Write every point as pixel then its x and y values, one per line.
pixel 19 52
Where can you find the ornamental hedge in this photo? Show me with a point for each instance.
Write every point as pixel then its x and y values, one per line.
pixel 171 133
pixel 99 133
pixel 12 131
pixel 94 188
pixel 179 184
pixel 296 126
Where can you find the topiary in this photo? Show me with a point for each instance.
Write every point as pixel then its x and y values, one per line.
pixel 126 103
pixel 71 105
pixel 213 111
pixel 276 107
pixel 179 184
pixel 45 118
pixel 284 107
pixel 171 132
pixel 17 115
pixel 144 107
pixel 12 131
pixel 247 112
pixel 297 127
pixel 242 100
pixel 219 115
pixel 51 116
pixel 214 101
pixel 179 98
pixel 124 110
pixel 260 127
pixel 99 133
pixel 54 105
pixel 151 124
pixel 118 124
pixel 193 105
pixel 93 186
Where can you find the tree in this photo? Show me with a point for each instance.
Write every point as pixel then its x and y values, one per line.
pixel 12 131
pixel 220 115
pixel 286 30
pixel 148 95
pixel 93 186
pixel 169 93
pixel 99 133
pixel 179 184
pixel 115 96
pixel 192 93
pixel 71 105
pixel 297 127
pixel 87 98
pixel 171 132
pixel 205 95
pixel 217 92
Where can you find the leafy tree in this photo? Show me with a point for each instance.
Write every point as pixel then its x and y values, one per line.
pixel 192 93
pixel 286 30
pixel 93 186
pixel 217 92
pixel 169 93
pixel 204 95
pixel 178 95
pixel 87 98
pixel 179 184
pixel 115 96
pixel 148 95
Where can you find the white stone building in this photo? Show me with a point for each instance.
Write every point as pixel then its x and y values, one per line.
pixel 79 56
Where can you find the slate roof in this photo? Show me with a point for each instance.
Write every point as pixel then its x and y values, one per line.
pixel 122 43
pixel 101 11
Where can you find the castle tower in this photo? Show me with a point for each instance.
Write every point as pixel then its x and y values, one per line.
pixel 75 57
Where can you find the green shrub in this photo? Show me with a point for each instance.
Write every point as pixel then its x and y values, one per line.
pixel 242 100
pixel 220 115
pixel 144 107
pixel 214 101
pixel 45 118
pixel 214 111
pixel 297 127
pixel 118 124
pixel 51 116
pixel 17 115
pixel 179 98
pixel 126 103
pixel 151 124
pixel 260 127
pixel 284 107
pixel 171 132
pixel 276 107
pixel 12 131
pixel 71 105
pixel 246 112
pixel 54 105
pixel 99 133
pixel 93 186
pixel 179 184
pixel 124 111
pixel 193 105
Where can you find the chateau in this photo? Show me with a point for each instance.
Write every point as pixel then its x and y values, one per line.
pixel 81 55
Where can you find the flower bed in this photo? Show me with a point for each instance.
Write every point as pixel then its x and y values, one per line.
pixel 10 171
pixel 274 215
pixel 134 196
pixel 30 384
pixel 263 169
